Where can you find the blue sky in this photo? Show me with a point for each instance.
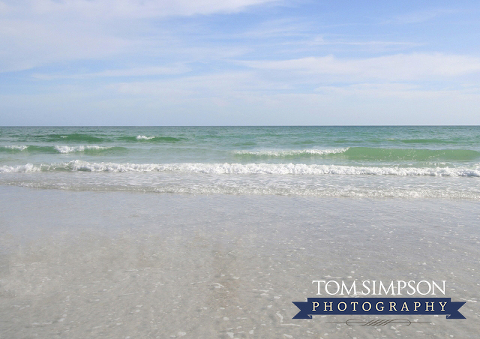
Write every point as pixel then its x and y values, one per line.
pixel 239 62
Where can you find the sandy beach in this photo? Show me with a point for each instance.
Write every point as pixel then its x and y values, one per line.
pixel 132 265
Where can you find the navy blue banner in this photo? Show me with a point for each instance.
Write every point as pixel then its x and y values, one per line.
pixel 379 306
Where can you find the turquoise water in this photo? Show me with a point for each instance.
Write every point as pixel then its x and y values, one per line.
pixel 410 162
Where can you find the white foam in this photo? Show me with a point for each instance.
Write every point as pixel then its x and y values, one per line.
pixel 246 169
pixel 274 169
pixel 73 149
pixel 285 153
pixel 20 168
pixel 283 188
pixel 20 148
pixel 143 137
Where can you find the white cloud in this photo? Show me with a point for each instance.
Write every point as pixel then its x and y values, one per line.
pixel 3 8
pixel 320 40
pixel 420 16
pixel 38 32
pixel 241 98
pixel 30 43
pixel 249 91
pixel 127 72
pixel 400 67
pixel 213 85
pixel 134 8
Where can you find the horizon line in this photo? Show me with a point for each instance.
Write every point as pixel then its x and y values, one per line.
pixel 240 125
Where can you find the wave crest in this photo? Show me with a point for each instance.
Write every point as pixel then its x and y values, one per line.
pixel 369 154
pixel 290 153
pixel 74 149
pixel 143 137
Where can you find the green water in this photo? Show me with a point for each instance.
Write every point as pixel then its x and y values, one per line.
pixel 411 161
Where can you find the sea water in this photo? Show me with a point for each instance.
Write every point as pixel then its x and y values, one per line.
pixel 402 161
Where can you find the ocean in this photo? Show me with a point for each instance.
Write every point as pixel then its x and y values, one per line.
pixel 214 232
pixel 384 162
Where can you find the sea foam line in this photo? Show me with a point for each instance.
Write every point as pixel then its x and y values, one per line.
pixel 285 153
pixel 73 149
pixel 259 189
pixel 143 137
pixel 57 148
pixel 15 147
pixel 243 169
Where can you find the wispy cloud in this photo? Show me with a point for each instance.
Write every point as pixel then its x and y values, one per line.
pixel 321 40
pixel 129 72
pixel 420 16
pixel 38 32
pixel 30 43
pixel 400 67
pixel 211 85
pixel 131 8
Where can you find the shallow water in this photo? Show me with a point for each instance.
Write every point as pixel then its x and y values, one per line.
pixel 124 264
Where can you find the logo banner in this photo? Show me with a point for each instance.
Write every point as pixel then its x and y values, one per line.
pixel 379 306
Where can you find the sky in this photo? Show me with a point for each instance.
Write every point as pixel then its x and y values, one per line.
pixel 239 62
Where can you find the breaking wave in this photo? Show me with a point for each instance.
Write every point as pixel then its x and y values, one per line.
pixel 243 169
pixel 368 153
pixel 62 149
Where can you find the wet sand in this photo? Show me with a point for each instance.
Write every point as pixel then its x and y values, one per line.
pixel 120 265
